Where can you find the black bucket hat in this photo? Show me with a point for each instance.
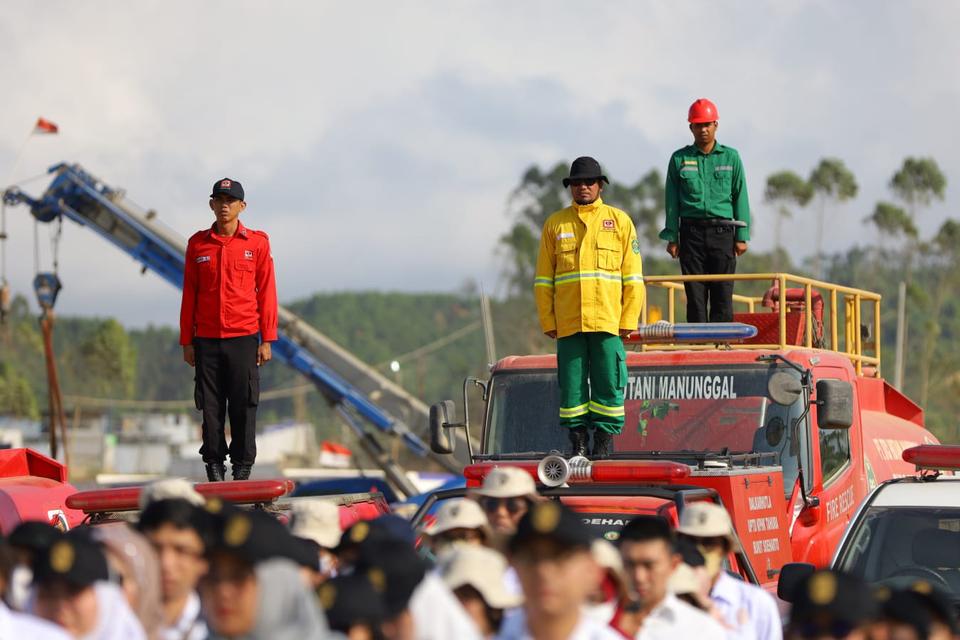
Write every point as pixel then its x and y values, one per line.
pixel 585 168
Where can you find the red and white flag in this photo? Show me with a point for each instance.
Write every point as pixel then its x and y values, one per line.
pixel 45 126
pixel 334 455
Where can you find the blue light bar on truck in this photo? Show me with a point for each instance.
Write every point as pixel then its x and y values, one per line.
pixel 703 332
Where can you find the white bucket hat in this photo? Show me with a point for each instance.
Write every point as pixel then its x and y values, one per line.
pixel 507 482
pixel 317 520
pixel 459 514
pixel 170 489
pixel 484 570
pixel 707 520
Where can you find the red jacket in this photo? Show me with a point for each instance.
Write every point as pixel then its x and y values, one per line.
pixel 228 287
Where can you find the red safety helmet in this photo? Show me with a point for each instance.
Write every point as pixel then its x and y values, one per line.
pixel 703 111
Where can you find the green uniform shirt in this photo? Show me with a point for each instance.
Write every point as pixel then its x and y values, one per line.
pixel 706 185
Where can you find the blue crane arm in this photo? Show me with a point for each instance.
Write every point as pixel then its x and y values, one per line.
pixel 79 196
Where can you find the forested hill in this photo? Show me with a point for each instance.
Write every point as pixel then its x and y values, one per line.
pixel 437 340
pixel 98 358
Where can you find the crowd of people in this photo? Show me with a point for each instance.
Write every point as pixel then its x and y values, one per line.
pixel 502 562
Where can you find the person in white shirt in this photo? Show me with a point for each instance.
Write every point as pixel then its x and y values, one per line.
pixel 175 523
pixel 648 548
pixel 747 610
pixel 551 555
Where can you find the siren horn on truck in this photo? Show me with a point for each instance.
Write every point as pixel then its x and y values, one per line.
pixel 555 470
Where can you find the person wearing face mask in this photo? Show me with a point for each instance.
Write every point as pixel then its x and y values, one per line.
pixel 589 291
pixel 17 625
pixel 318 521
pixel 135 567
pixel 745 608
pixel 458 522
pixel 27 541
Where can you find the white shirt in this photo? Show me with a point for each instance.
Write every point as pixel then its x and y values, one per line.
pixel 24 626
pixel 673 619
pixel 747 609
pixel 586 629
pixel 190 625
pixel 437 614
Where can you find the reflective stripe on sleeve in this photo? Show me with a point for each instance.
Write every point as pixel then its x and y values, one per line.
pixel 543 282
pixel 633 279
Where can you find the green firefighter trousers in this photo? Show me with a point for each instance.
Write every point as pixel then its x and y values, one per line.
pixel 592 371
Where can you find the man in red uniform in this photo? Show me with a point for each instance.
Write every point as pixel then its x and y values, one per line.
pixel 228 318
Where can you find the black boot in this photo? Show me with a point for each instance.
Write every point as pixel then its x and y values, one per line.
pixel 242 471
pixel 602 445
pixel 216 471
pixel 578 438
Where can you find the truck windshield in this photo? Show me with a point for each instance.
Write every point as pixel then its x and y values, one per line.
pixel 709 409
pixel 897 545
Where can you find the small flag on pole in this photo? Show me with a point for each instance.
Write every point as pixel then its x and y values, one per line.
pixel 45 126
pixel 333 454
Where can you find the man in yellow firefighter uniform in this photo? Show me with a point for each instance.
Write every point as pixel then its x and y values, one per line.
pixel 589 290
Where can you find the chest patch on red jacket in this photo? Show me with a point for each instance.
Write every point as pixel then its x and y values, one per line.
pixel 248 255
pixel 203 259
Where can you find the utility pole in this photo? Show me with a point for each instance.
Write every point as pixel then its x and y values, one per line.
pixel 901 334
pixel 487 319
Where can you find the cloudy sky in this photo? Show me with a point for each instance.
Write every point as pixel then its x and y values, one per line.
pixel 378 141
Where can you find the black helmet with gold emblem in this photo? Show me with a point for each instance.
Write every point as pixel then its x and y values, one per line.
pixel 831 603
pixel 251 535
pixel 351 600
pixel 551 520
pixel 73 558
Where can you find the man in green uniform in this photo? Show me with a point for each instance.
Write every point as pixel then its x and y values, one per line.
pixel 589 291
pixel 708 214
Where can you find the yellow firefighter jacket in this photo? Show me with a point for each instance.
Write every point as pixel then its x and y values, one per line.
pixel 589 276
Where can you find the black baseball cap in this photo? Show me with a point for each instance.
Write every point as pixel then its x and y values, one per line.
pixel 351 600
pixel 75 559
pixel 551 520
pixel 228 186
pixel 253 536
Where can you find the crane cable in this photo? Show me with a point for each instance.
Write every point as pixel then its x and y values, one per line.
pixel 4 285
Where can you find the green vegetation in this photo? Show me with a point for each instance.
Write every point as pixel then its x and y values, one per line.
pixel 97 358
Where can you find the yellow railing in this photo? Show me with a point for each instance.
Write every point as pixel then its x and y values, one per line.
pixel 853 346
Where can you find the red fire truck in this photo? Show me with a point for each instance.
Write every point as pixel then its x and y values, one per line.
pixel 35 487
pixel 782 415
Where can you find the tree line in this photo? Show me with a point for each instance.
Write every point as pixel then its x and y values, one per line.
pixel 98 357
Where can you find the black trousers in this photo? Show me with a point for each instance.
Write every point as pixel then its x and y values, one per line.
pixel 228 382
pixel 708 250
